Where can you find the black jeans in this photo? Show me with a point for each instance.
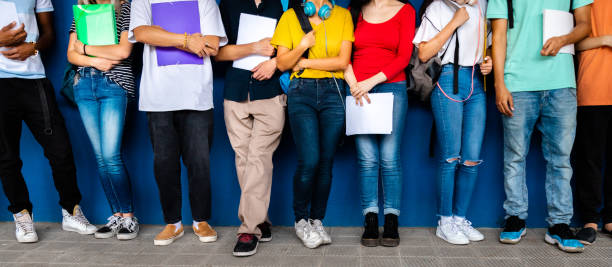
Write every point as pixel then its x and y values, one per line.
pixel 316 115
pixel 33 101
pixel 187 134
pixel 593 145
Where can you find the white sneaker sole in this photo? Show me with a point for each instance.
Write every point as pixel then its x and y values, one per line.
pixel 247 253
pixel 312 244
pixel 104 235
pixel 166 242
pixel 82 232
pixel 265 239
pixel 207 239
pixel 27 240
pixel 127 236
pixel 454 242
pixel 476 239
pixel 553 241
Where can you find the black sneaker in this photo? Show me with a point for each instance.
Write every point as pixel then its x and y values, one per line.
pixel 246 245
pixel 266 233
pixel 513 231
pixel 562 236
pixel 110 229
pixel 129 229
pixel 390 236
pixel 370 232
pixel 587 235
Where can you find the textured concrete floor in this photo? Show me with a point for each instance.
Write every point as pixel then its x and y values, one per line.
pixel 419 247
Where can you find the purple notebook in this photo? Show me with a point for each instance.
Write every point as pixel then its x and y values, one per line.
pixel 177 17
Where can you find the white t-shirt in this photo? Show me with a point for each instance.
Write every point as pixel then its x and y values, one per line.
pixel 32 67
pixel 438 15
pixel 176 87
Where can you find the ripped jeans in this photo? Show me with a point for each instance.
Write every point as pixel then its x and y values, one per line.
pixel 460 130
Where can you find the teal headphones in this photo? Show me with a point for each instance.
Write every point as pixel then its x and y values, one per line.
pixel 324 12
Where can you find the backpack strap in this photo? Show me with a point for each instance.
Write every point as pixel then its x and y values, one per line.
pixel 304 23
pixel 456 67
pixel 510 14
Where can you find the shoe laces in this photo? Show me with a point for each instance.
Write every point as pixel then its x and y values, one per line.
pixel 80 218
pixel 464 224
pixel 451 227
pixel 317 225
pixel 245 238
pixel 114 222
pixel 129 223
pixel 25 224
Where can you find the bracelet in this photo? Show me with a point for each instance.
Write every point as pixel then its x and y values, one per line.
pixel 85 50
pixel 185 41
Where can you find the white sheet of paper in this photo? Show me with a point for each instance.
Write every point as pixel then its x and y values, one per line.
pixel 558 23
pixel 373 118
pixel 253 28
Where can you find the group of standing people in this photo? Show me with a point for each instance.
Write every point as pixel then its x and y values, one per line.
pixel 344 52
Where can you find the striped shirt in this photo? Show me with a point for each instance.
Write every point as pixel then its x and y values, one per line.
pixel 121 73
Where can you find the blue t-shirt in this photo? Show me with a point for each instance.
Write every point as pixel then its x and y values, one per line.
pixel 32 67
pixel 525 68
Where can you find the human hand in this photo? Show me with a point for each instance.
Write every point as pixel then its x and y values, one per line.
pixel 103 64
pixel 196 44
pixel 12 37
pixel 553 45
pixel 460 17
pixel 308 40
pixel 486 66
pixel 263 47
pixel 361 89
pixel 503 100
pixel 469 2
pixel 211 45
pixel 300 65
pixel 20 52
pixel 608 40
pixel 264 70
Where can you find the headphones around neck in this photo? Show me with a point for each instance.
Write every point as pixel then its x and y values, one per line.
pixel 324 12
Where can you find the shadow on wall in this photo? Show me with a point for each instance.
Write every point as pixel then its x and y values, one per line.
pixel 418 205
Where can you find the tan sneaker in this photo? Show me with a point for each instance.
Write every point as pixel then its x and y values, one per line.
pixel 205 232
pixel 168 235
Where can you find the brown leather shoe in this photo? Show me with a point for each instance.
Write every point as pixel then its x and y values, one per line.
pixel 205 232
pixel 168 235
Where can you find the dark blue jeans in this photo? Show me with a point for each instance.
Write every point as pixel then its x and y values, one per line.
pixel 102 104
pixel 316 115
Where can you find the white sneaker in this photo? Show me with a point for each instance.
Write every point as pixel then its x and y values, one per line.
pixel 318 227
pixel 77 222
pixel 24 227
pixel 307 234
pixel 466 228
pixel 449 232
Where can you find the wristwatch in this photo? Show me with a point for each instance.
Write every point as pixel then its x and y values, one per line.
pixel 35 50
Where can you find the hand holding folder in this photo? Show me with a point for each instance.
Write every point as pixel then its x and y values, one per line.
pixel 177 17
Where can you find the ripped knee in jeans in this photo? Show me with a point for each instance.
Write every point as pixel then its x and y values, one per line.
pixel 471 163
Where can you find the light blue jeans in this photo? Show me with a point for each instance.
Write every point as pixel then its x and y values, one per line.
pixel 460 128
pixel 380 155
pixel 553 112
pixel 102 104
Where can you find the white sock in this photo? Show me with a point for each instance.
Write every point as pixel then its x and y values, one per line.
pixel 177 226
pixel 195 224
pixel 446 219
pixel 458 219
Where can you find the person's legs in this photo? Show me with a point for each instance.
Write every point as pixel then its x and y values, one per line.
pixel 331 129
pixel 166 161
pixel 46 123
pixel 304 121
pixel 517 138
pixel 606 213
pixel 558 127
pixel 368 162
pixel 195 133
pixel 256 183
pixel 113 106
pixel 590 147
pixel 391 166
pixel 11 114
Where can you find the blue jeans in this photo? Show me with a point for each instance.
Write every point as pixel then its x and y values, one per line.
pixel 380 154
pixel 102 104
pixel 553 112
pixel 460 128
pixel 316 115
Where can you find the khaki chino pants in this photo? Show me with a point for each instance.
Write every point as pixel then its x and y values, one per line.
pixel 254 129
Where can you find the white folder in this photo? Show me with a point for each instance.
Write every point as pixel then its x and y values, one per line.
pixel 251 29
pixel 373 118
pixel 558 23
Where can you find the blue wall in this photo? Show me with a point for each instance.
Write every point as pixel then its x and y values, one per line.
pixel 418 205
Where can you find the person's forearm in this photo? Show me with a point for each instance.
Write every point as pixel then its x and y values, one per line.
pixel 45 41
pixel 349 76
pixel 158 37
pixel 327 64
pixel 594 42
pixel 287 61
pixel 583 26
pixel 235 52
pixel 499 50
pixel 429 49
pixel 119 51
pixel 79 60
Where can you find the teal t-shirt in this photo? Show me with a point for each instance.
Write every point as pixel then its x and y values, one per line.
pixel 525 68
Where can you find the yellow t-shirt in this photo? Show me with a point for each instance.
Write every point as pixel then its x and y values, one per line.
pixel 339 27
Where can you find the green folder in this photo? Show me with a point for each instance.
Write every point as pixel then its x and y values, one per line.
pixel 95 24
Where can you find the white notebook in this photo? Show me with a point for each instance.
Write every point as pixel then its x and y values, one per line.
pixel 251 29
pixel 373 118
pixel 558 23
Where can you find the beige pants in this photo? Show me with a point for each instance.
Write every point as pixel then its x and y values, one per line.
pixel 254 129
